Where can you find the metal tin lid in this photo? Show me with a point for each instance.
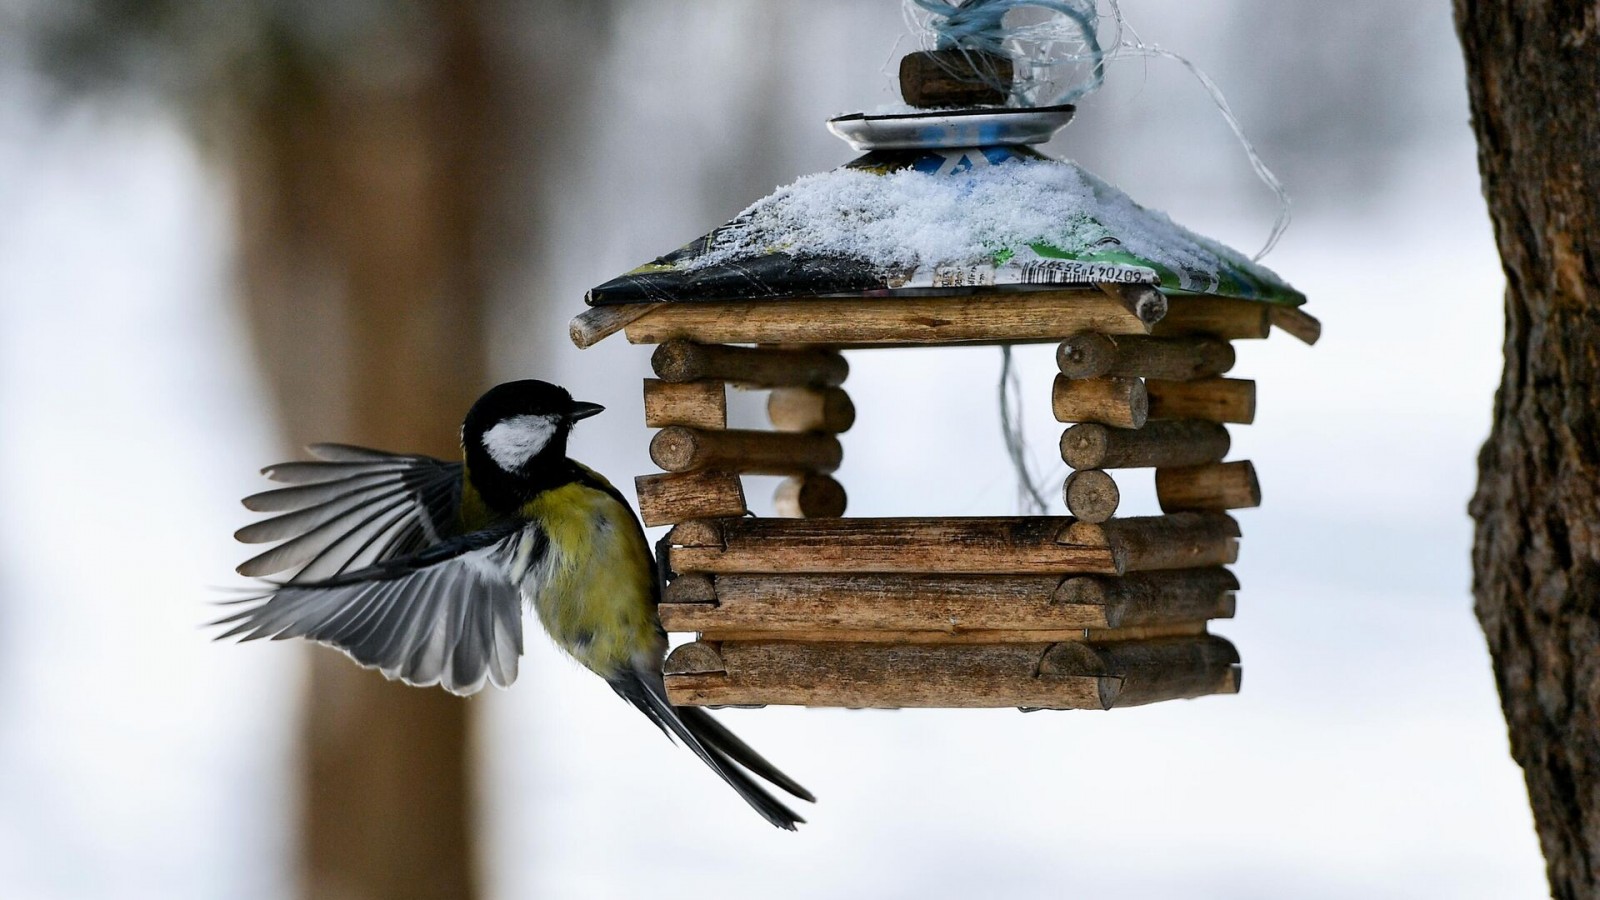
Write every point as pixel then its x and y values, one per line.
pixel 990 127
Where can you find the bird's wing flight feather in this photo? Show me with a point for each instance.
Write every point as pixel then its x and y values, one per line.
pixel 449 615
pixel 351 509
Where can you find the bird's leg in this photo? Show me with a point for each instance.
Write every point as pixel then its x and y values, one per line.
pixel 663 563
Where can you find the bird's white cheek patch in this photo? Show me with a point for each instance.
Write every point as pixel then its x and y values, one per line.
pixel 518 439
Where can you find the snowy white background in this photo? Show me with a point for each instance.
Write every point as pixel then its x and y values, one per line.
pixel 1365 758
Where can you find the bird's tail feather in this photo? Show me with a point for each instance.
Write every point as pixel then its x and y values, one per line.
pixel 715 745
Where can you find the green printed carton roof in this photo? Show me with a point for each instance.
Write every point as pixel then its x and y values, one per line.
pixel 930 221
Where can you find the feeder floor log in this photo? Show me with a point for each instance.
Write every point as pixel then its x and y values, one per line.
pixel 1148 598
pixel 1151 671
pixel 909 602
pixel 719 634
pixel 1177 541
pixel 885 676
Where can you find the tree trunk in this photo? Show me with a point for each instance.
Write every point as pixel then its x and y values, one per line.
pixel 1533 72
pixel 360 205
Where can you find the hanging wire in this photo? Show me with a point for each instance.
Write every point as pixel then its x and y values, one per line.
pixel 1029 498
pixel 1063 49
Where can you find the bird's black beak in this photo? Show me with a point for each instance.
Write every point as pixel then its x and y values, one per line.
pixel 581 410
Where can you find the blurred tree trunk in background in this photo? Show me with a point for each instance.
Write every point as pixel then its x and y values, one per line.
pixel 1533 71
pixel 360 207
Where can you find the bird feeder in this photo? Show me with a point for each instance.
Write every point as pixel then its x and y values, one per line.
pixel 1087 611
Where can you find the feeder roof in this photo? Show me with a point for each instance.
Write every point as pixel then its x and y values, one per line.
pixel 931 220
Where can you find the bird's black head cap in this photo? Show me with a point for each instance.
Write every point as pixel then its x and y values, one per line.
pixel 515 439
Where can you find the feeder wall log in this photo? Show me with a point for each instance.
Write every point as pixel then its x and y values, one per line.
pixel 1231 485
pixel 1121 402
pixel 1179 359
pixel 1212 399
pixel 666 499
pixel 702 404
pixel 679 449
pixel 680 361
pixel 1161 442
pixel 1091 495
pixel 810 496
pixel 809 409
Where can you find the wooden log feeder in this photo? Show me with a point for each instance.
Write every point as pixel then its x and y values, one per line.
pixel 1099 608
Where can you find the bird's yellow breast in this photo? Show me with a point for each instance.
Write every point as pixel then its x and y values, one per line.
pixel 592 589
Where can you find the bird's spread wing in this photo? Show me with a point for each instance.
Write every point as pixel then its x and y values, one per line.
pixel 449 615
pixel 351 509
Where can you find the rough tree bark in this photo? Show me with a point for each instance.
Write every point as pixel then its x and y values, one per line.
pixel 1533 72
pixel 361 209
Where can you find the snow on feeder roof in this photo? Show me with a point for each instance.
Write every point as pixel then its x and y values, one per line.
pixel 945 200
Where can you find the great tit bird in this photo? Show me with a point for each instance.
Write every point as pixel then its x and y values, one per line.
pixel 419 568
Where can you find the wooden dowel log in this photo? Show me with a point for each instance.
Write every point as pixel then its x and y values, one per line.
pixel 866 602
pixel 699 404
pixel 1222 317
pixel 1143 300
pixel 667 499
pixel 600 322
pixel 890 321
pixel 811 409
pixel 954 78
pixel 1146 598
pixel 1230 485
pixel 1086 355
pixel 1297 322
pixel 693 588
pixel 955 546
pixel 679 449
pixel 1212 399
pixel 1091 495
pixel 881 676
pixel 680 361
pixel 1149 671
pixel 1161 442
pixel 1122 402
pixel 695 658
pixel 1179 359
pixel 673 621
pixel 1177 541
pixel 809 496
